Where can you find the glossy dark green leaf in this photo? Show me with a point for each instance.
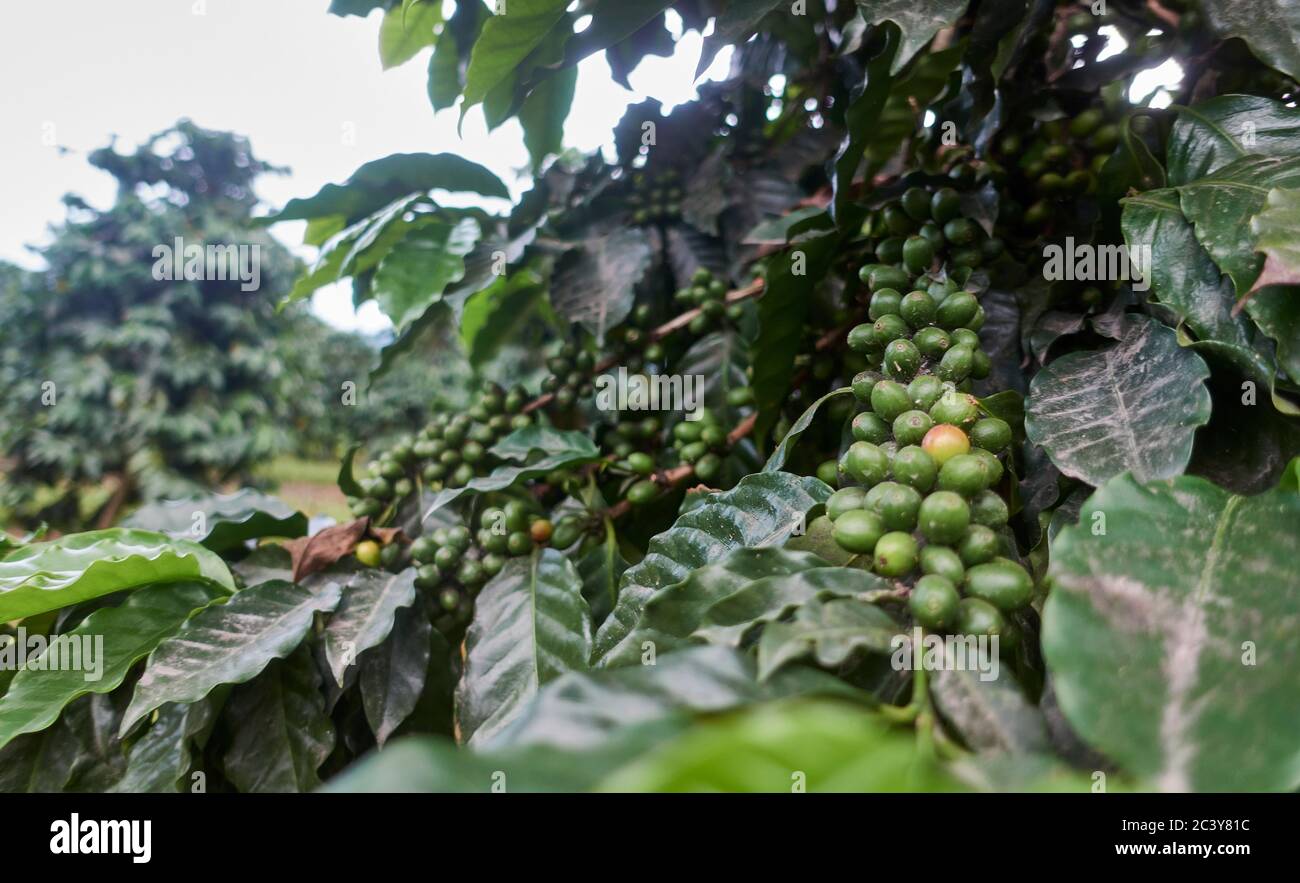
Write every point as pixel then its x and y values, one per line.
pixel 437 766
pixel 911 94
pixel 106 645
pixel 867 102
pixel 1277 235
pixel 543 113
pixel 830 632
pixel 221 521
pixel 451 53
pixel 720 362
pixel 370 600
pixel 418 270
pixel 1276 310
pixel 782 451
pixel 228 644
pixel 792 276
pixel 918 22
pixel 379 182
pixel 601 569
pixel 281 731
pixel 581 711
pixel 1270 27
pixel 775 231
pixel 988 709
pixel 1209 135
pixel 672 614
pixel 1222 204
pixel 762 510
pixel 576 450
pixel 162 757
pixel 793 746
pixel 52 760
pixel 1130 407
pixel 531 625
pixel 505 41
pixel 595 283
pixel 78 567
pixel 1194 592
pixel 1185 278
pixel 393 674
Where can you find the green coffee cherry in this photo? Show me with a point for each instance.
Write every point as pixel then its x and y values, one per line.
pixel 858 531
pixel 989 509
pixel 642 492
pixel 934 602
pixel 895 554
pixel 889 399
pixel 978 617
pixel 910 427
pixel 960 231
pixel 916 203
pixel 992 465
pixel 944 517
pixel 925 390
pixel 897 504
pixel 862 338
pixel 863 383
pixel 868 427
pixel 932 342
pixel 1001 582
pixel 917 254
pixel 959 409
pixel 887 329
pixel 914 467
pixel 884 302
pixel 943 561
pixel 902 359
pixel 888 277
pixel 991 434
pixel 956 310
pixel 844 500
pixel 955 366
pixel 708 467
pixel 945 205
pixel 964 474
pixel 980 544
pixel 918 309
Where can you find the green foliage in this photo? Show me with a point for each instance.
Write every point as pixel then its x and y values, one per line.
pixel 549 589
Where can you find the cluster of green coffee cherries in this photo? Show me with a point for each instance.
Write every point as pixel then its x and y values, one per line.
pixel 457 562
pixel 921 224
pixel 701 442
pixel 450 451
pixel 655 196
pixel 709 294
pixel 1059 160
pixel 917 486
pixel 570 377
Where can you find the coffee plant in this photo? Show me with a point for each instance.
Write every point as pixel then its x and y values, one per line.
pixel 915 409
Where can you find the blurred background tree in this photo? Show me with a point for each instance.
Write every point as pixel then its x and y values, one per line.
pixel 122 388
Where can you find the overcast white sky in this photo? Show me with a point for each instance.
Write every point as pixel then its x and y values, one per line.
pixel 305 87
